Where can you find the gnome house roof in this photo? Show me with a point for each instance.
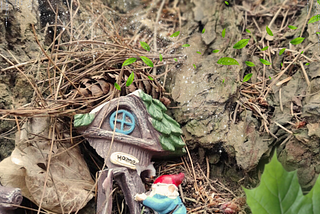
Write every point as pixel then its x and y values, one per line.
pixel 141 123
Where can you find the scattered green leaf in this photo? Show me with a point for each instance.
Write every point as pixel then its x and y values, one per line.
pixel 265 62
pixel 175 59
pixel 318 1
pixel 251 64
pixel 215 51
pixel 227 3
pixel 281 51
pixel 301 52
pixel 314 19
pixel 308 63
pixel 129 61
pixel 265 48
pixel 281 64
pixel 150 77
pixel 297 40
pixel 160 57
pixel 117 86
pixel 269 31
pixel 269 77
pixel 147 61
pixel 194 65
pixel 130 79
pixel 223 33
pixel 198 52
pixel 203 30
pixel 292 27
pixel 241 44
pixel 145 46
pixel 318 32
pixel 248 31
pixel 227 61
pixel 185 45
pixel 175 34
pixel 247 77
pixel 223 81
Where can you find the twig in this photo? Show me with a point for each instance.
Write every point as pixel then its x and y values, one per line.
pixel 155 32
pixel 280 99
pixel 305 73
pixel 290 132
pixel 305 23
pixel 284 81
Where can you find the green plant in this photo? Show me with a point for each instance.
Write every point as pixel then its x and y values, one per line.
pixel 279 192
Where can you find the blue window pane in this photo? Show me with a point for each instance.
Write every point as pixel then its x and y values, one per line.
pixel 126 121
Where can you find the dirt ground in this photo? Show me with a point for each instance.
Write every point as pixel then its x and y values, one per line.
pixel 231 127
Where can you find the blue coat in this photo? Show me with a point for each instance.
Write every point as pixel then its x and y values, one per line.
pixel 163 205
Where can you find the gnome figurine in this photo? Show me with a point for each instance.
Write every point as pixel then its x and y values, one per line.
pixel 164 196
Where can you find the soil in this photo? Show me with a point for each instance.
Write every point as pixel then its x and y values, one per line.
pixel 231 129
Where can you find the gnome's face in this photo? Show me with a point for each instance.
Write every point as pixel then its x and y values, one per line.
pixel 169 190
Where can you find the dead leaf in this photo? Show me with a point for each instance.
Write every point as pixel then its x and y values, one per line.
pixel 69 181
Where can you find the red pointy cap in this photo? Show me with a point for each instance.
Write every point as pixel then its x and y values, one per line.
pixel 170 179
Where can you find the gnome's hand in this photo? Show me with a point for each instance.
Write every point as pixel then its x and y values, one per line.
pixel 140 197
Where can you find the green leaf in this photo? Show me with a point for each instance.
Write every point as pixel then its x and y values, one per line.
pixel 160 57
pixel 308 63
pixel 301 52
pixel 241 44
pixel 83 119
pixel 195 67
pixel 269 77
pixel 145 97
pixel 269 31
pixel 223 81
pixel 317 32
pixel 171 120
pixel 150 77
pixel 292 27
pixel 281 64
pixel 248 31
pixel 185 45
pixel 203 30
pixel 314 19
pixel 227 61
pixel 130 79
pixel 145 46
pixel 297 40
pixel 265 48
pixel 227 3
pixel 175 59
pixel 161 127
pixel 198 52
pixel 159 104
pixel 265 62
pixel 166 143
pixel 155 112
pixel 281 51
pixel 223 33
pixel 129 61
pixel 247 77
pixel 117 86
pixel 279 192
pixel 318 1
pixel 215 51
pixel 251 64
pixel 177 141
pixel 175 34
pixel 147 61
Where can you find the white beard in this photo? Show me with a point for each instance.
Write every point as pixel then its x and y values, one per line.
pixel 163 190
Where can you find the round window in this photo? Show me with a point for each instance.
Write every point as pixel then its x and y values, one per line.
pixel 125 122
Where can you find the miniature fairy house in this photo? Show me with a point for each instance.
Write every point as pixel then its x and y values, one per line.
pixel 140 130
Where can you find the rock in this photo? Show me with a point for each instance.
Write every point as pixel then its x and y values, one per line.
pixel 313 129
